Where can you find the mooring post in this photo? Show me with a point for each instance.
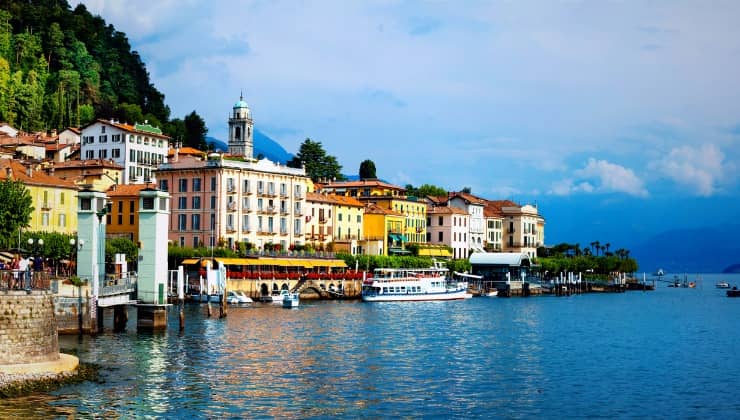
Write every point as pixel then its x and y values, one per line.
pixel 208 304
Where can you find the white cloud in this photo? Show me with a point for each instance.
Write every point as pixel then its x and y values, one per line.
pixel 701 169
pixel 601 176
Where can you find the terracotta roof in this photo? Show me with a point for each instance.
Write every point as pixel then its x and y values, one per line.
pixel 88 163
pixel 127 190
pixel 376 209
pixel 470 198
pixel 128 127
pixel 437 199
pixel 445 210
pixel 333 199
pixel 363 183
pixel 35 177
pixel 186 151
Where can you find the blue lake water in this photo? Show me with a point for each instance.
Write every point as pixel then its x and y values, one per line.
pixel 666 353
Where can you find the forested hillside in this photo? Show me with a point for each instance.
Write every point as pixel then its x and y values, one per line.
pixel 61 67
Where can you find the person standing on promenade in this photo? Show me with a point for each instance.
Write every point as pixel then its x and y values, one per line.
pixel 23 270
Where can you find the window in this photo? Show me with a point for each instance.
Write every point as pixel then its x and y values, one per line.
pixel 132 156
pixel 102 129
pixel 163 185
pixel 103 154
pixel 103 139
pixel 182 203
pixel 196 242
pixel 359 218
pixel 183 185
pixel 130 219
pixel 182 221
pixel 441 221
pixel 196 184
pixel 339 217
pixel 196 203
pixel 213 202
pixel 245 186
pixel 62 220
pixel 119 219
pixel 130 206
pixel 213 183
pixel 270 225
pixel 45 219
pixel 440 236
pixel 195 222
pixel 297 226
pixel 115 153
pixel 89 154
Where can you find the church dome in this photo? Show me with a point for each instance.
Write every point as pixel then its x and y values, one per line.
pixel 242 103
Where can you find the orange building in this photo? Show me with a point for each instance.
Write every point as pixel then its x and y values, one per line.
pixel 123 218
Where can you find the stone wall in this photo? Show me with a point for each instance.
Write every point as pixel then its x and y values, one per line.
pixel 28 327
pixel 67 314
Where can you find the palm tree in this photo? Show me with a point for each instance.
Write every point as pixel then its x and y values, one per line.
pixel 607 245
pixel 597 246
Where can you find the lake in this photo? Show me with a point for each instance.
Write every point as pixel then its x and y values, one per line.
pixel 671 352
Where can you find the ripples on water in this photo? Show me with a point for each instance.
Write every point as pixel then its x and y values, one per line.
pixel 668 353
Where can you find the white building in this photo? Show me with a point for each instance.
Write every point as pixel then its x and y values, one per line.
pixel 139 148
pixel 473 206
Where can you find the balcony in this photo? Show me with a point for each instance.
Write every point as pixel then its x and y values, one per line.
pixel 298 195
pixel 246 229
pixel 298 211
pixel 247 191
pixel 322 220
pixel 260 191
pixel 284 194
pixel 230 229
pixel 231 206
pixel 230 189
pixel 271 193
pixel 297 233
pixel 284 211
pixel 283 231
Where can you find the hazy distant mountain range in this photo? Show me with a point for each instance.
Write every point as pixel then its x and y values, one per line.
pixel 263 145
pixel 705 250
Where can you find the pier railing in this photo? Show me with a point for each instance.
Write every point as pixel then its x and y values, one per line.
pixel 117 284
pixel 25 280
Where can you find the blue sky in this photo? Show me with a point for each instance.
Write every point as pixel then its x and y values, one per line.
pixel 625 108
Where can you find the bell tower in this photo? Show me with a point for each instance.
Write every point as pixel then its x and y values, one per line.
pixel 241 130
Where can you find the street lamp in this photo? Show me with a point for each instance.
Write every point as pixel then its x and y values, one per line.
pixel 39 243
pixel 73 255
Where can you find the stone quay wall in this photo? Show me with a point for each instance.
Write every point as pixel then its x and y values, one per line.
pixel 67 314
pixel 28 327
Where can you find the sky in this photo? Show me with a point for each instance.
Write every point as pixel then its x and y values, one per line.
pixel 618 118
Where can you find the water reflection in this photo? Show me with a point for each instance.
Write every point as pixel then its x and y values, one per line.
pixel 474 358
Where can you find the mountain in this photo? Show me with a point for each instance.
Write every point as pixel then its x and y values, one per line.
pixel 700 250
pixel 263 145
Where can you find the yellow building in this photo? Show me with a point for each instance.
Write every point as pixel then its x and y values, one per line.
pixel 383 231
pixel 334 219
pixel 98 174
pixel 390 197
pixel 54 200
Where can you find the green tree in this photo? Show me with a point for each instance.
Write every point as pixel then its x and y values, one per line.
pixel 432 190
pixel 195 131
pixel 319 165
pixel 367 169
pixel 15 213
pixel 121 246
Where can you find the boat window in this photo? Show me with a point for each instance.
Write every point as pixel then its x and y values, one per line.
pixel 385 290
pixel 403 289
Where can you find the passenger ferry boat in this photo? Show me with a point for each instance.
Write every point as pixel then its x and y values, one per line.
pixel 412 284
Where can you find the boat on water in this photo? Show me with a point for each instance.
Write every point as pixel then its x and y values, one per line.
pixel 236 297
pixel 291 300
pixel 733 292
pixel 723 285
pixel 413 284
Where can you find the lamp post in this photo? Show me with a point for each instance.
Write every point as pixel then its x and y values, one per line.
pixel 36 247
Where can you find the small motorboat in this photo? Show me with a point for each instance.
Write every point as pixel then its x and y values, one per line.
pixel 291 300
pixel 733 292
pixel 723 285
pixel 237 297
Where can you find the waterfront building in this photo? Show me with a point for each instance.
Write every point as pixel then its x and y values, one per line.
pixel 494 222
pixel 390 197
pixel 448 226
pixel 54 200
pixel 230 200
pixel 138 148
pixel 319 220
pixel 8 129
pixel 122 221
pixel 473 206
pixel 97 174
pixel 523 227
pixel 382 231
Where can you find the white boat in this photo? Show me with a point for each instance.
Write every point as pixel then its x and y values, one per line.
pixel 412 284
pixel 203 298
pixel 277 297
pixel 237 297
pixel 492 293
pixel 723 285
pixel 290 300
